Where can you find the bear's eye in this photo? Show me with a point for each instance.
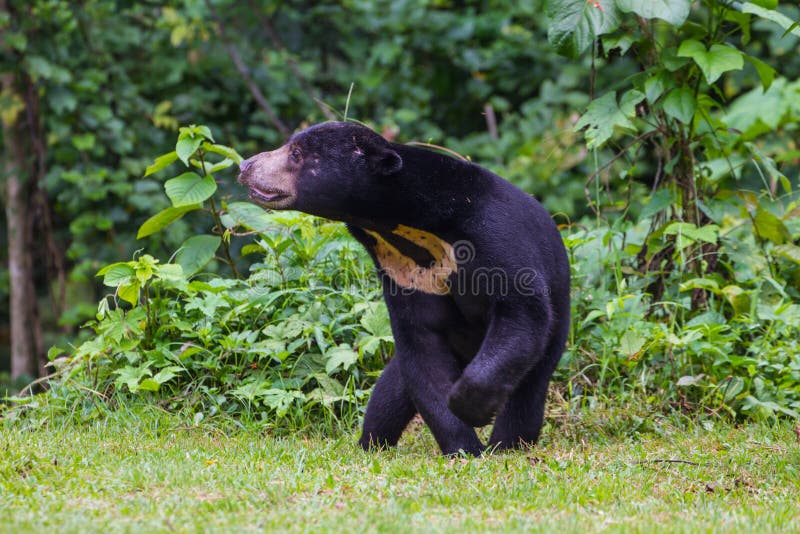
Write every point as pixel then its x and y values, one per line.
pixel 295 155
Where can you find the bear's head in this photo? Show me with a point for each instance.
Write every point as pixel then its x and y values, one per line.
pixel 330 170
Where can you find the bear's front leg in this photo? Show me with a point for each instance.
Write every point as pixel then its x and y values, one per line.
pixel 514 343
pixel 429 370
pixel 476 403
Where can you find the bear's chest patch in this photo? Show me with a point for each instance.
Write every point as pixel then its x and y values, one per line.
pixel 430 277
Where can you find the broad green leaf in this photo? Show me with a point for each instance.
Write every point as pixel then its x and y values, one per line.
pixel 148 384
pixel 62 100
pixel 689 380
pixel 771 14
pixel 161 162
pixel 250 216
pixel 738 298
pixel 733 387
pixel 172 274
pixel 621 42
pixel 186 147
pixel 631 343
pixel 131 376
pixel 16 40
pixel 55 352
pixel 251 248
pixel 765 72
pixel 700 283
pixel 680 104
pixel 662 199
pixel 768 4
pixel 223 150
pixel 116 274
pixel 166 374
pixel 789 251
pixel 759 111
pixel 768 226
pixel 673 11
pixel 169 271
pixel 211 168
pixel 189 188
pixel 196 252
pixel 766 163
pixel 604 114
pixel 251 390
pixel 708 233
pixel 340 356
pixel 39 67
pixel 144 273
pixel 657 85
pixel 162 219
pixel 671 60
pixel 83 141
pixel 204 131
pixel 281 400
pixel 575 24
pixel 130 292
pixel 629 101
pixel 688 233
pixel 714 61
pixel 376 320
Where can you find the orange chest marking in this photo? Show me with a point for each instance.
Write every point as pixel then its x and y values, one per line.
pixel 405 271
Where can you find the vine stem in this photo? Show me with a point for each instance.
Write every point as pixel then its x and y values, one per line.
pixel 218 223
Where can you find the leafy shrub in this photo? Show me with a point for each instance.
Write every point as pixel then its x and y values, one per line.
pixel 737 357
pixel 300 340
pixel 696 302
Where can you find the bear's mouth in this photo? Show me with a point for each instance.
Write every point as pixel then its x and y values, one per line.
pixel 270 197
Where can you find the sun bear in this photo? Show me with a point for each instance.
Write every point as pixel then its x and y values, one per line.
pixel 474 272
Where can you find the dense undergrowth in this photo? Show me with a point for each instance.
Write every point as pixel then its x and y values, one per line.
pixel 683 241
pixel 298 342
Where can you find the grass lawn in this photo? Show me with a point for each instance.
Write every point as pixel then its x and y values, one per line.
pixel 145 471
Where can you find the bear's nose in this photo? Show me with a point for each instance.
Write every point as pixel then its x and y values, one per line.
pixel 245 165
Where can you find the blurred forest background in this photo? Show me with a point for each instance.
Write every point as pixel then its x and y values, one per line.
pixel 664 140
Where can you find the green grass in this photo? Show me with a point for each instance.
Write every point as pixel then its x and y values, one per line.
pixel 145 471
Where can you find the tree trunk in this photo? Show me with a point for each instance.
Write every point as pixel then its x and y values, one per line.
pixel 20 173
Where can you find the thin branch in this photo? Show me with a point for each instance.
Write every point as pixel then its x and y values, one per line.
pixel 491 120
pixel 244 72
pixel 437 147
pixel 607 164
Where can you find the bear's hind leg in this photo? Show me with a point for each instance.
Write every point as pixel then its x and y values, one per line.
pixel 389 410
pixel 519 423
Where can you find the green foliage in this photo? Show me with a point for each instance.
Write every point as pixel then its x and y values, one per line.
pixel 574 24
pixel 298 342
pixel 739 357
pixel 682 201
pixel 700 309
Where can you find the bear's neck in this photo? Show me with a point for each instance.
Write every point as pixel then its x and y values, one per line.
pixel 432 191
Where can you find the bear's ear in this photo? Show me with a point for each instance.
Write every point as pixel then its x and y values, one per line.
pixel 386 162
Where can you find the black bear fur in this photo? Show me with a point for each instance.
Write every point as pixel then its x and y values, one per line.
pixel 478 334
